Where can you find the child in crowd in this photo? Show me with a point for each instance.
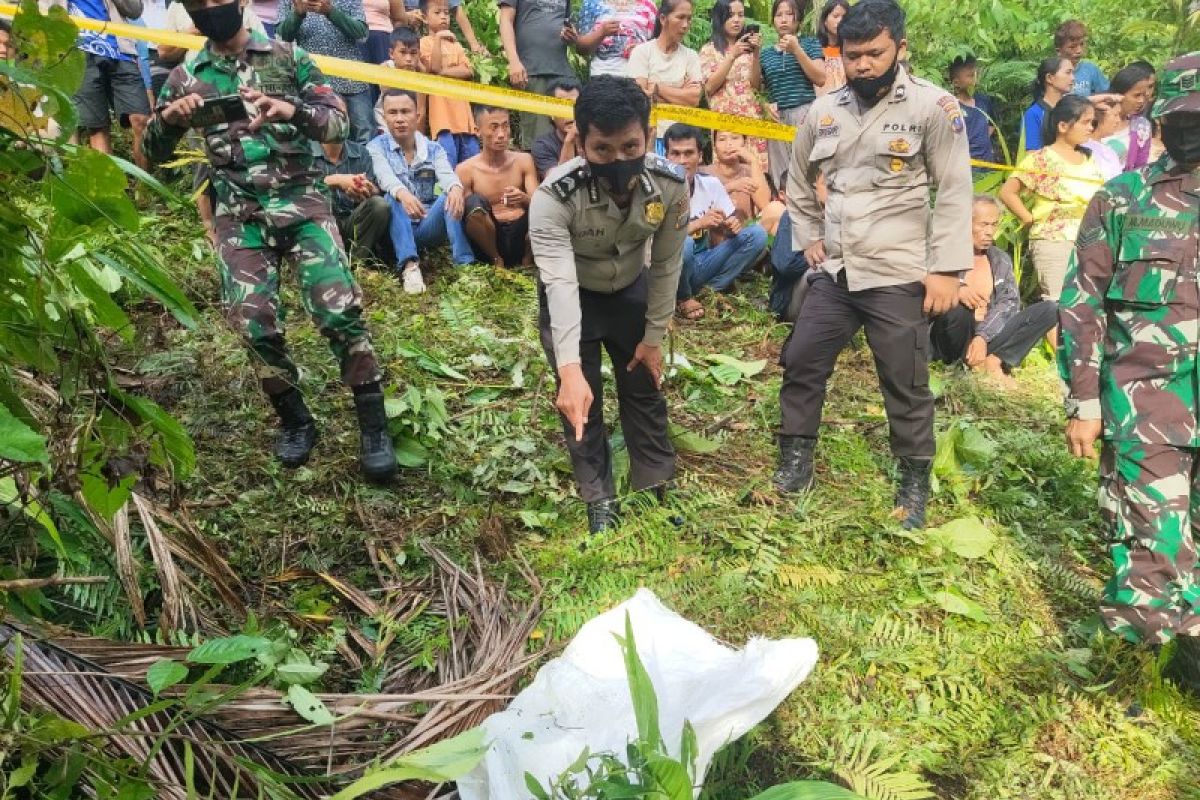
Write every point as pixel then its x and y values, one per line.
pixel 1060 179
pixel 792 70
pixel 1131 141
pixel 449 120
pixel 1070 42
pixel 499 184
pixel 1055 77
pixel 827 34
pixel 979 113
pixel 405 52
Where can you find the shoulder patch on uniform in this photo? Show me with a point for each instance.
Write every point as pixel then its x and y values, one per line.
pixel 952 112
pixel 658 165
pixel 568 184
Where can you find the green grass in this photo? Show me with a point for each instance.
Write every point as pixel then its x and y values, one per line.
pixel 1031 703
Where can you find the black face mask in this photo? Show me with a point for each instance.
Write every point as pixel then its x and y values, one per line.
pixel 869 88
pixel 1183 143
pixel 619 173
pixel 219 23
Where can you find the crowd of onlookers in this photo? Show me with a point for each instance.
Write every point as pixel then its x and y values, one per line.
pixel 420 171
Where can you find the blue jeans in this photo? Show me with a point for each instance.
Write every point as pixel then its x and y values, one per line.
pixel 458 146
pixel 361 110
pixel 787 267
pixel 719 266
pixel 436 229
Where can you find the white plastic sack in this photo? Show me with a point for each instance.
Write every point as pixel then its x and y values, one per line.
pixel 581 699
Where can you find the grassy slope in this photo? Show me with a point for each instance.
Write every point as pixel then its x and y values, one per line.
pixel 1029 703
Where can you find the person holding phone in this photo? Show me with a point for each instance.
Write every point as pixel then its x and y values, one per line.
pixel 257 124
pixel 730 65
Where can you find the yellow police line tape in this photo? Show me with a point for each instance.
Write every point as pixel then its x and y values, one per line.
pixel 513 99
pixel 501 97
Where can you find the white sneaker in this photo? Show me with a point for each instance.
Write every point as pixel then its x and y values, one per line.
pixel 412 280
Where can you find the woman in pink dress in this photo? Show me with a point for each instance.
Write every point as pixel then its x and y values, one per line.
pixel 730 63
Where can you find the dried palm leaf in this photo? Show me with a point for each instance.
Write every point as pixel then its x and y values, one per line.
pixel 474 678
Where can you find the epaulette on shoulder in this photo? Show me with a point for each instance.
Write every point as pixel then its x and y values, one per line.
pixel 568 183
pixel 658 165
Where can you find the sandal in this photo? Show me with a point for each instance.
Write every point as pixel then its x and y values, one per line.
pixel 690 310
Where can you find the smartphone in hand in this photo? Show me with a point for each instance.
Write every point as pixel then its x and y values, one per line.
pixel 219 111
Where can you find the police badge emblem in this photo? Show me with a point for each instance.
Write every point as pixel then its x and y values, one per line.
pixel 655 212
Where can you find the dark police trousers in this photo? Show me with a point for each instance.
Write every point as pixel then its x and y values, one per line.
pixel 898 334
pixel 617 321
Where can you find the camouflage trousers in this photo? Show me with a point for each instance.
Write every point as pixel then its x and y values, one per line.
pixel 1150 501
pixel 251 254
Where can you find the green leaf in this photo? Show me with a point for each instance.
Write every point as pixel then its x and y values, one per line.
pixel 175 440
pixel 641 690
pixel 725 374
pixel 104 308
pixel 745 369
pixel 954 603
pixel 19 442
pixel 297 672
pixel 807 790
pixel 689 748
pixel 31 508
pixel 142 271
pixel 410 452
pixel 535 788
pixel 48 48
pixel 967 537
pixel 102 497
pixel 974 448
pixel 537 519
pixel 228 650
pixel 448 760
pixel 668 777
pixel 55 730
pixel 164 674
pixel 309 706
pixel 687 442
pixel 91 191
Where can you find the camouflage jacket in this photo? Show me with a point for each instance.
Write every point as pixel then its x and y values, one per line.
pixel 269 173
pixel 1130 309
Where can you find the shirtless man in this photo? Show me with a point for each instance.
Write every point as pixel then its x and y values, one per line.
pixel 742 176
pixel 499 184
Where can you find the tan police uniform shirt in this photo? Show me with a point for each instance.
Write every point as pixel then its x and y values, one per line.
pixel 882 166
pixel 581 239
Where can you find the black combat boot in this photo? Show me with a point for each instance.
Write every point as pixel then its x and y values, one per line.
pixel 603 515
pixel 1184 668
pixel 795 470
pixel 297 431
pixel 913 492
pixel 376 455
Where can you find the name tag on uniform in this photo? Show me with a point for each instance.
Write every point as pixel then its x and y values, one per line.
pixel 275 76
pixel 827 127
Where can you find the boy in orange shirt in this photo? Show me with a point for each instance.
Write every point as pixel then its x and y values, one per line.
pixel 450 121
pixel 405 52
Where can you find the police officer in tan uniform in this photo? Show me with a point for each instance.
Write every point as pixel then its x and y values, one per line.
pixel 883 255
pixel 589 224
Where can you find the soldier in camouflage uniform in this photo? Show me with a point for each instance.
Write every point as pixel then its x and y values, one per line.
pixel 274 102
pixel 1130 317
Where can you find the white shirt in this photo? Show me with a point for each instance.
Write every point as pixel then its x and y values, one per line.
pixel 707 192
